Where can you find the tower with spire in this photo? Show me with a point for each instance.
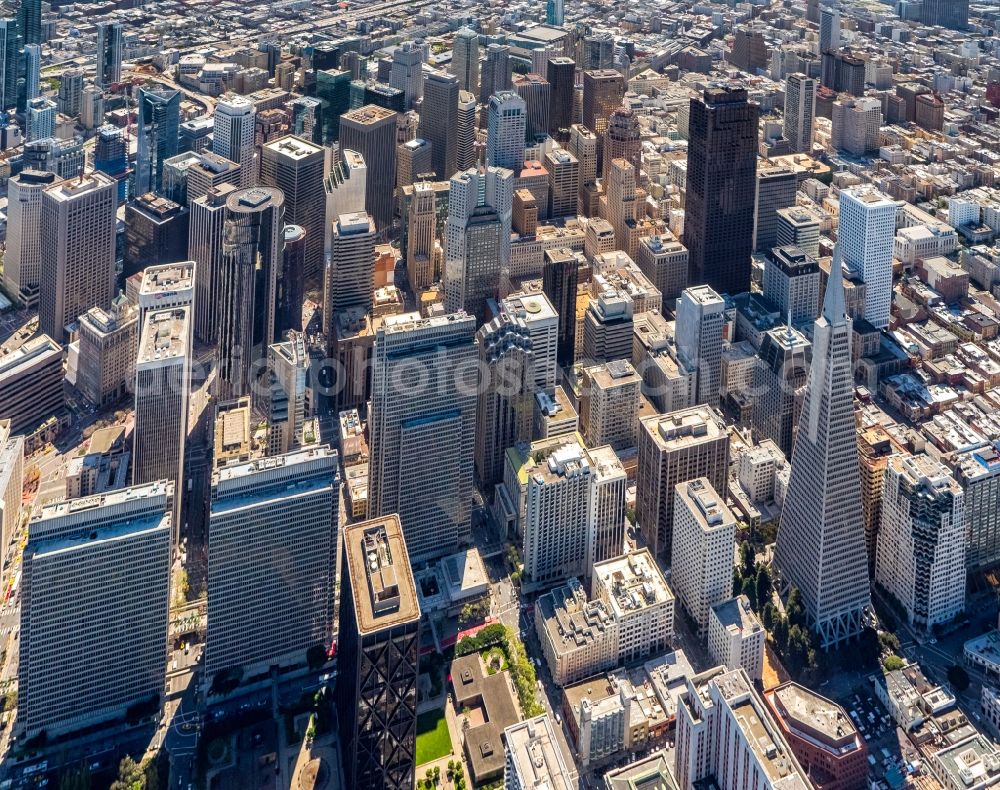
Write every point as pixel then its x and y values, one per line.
pixel 821 538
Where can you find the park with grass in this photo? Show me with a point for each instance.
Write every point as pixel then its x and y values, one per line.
pixel 433 740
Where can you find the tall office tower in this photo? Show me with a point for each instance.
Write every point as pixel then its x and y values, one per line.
pixel 978 472
pixel 159 117
pixel 721 723
pixel 856 125
pixel 77 235
pixel 534 757
pixel 9 63
pixel 351 274
pixel 465 59
pixel 23 260
pixel 465 131
pixel 665 263
pixel 422 411
pixel 70 92
pixel 307 118
pixel 776 188
pixel 843 73
pixel 621 141
pixel 505 133
pixel 208 171
pixel 371 131
pixel 496 72
pixel 540 318
pixel 504 413
pixel 875 447
pixel 564 182
pixel 596 51
pixel 272 551
pixel 536 92
pixel 561 75
pixel 800 112
pixel 920 559
pixel 91 107
pixel 560 276
pixel 583 145
pixel 673 448
pixel 421 237
pixel 750 51
pixel 609 404
pixel 439 121
pixel 379 644
pixel 252 240
pixel 206 229
pixel 701 575
pixel 288 362
pixel 407 72
pixel 11 480
pixel 333 89
pixel 603 91
pixel 414 160
pixel 477 237
pixel 344 186
pixel 162 381
pixel 721 183
pixel 791 283
pixel 829 30
pixel 866 237
pixel 111 157
pixel 555 12
pixel 297 167
pixel 700 323
pixel 798 227
pixel 29 22
pixel 40 119
pixel 110 45
pixel 821 538
pixel 779 380
pixel 32 72
pixel 233 134
pixel 89 566
pixel 291 281
pixel 106 357
pixel 953 14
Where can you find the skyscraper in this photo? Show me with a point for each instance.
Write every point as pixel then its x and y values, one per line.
pixel 333 89
pixel 603 91
pixel 90 565
pixel 297 167
pixel 29 21
pixel 560 275
pixel 157 129
pixel 291 281
pixel 555 12
pixel 345 191
pixel 477 237
pixel 40 119
pixel 505 133
pixel 272 547
pixel 371 131
pixel 561 75
pixel 77 250
pixel 564 182
pixel 496 73
pixel 287 410
pixel 22 265
pixel 829 30
pixel 537 94
pixel 800 112
pixel 779 378
pixel 352 264
pixel 108 68
pixel 439 121
pixel 776 188
pixel 700 324
pixel 721 182
pixel 9 63
pixel 233 134
pixel 465 59
pixel 946 13
pixel 406 73
pixel 465 131
pixel 162 382
pixel 866 237
pixel 422 429
pixel 821 538
pixel 253 237
pixel 32 72
pixel 421 237
pixel 380 654
pixel 622 141
pixel 206 229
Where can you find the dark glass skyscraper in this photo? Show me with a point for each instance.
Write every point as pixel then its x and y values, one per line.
pixel 159 119
pixel 29 21
pixel 559 280
pixel 9 62
pixel 721 181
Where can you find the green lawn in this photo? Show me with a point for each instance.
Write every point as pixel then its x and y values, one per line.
pixel 433 740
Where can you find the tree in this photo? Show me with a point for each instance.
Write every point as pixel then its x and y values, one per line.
pixel 798 648
pixel 767 616
pixel 75 778
pixel 892 663
pixel 316 657
pixel 794 610
pixel 437 774
pixel 737 582
pixel 748 561
pixel 780 632
pixel 763 585
pixel 135 776
pixel 750 591
pixel 888 642
pixel 958 678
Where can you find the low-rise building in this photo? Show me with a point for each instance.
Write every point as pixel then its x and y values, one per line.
pixel 534 759
pixel 579 638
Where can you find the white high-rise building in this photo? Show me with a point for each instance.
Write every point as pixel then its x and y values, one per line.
pixel 90 566
pixel 800 111
pixel 978 472
pixel 422 427
pixel 406 72
pixel 32 71
pixel 272 559
pixel 233 134
pixel 289 366
pixel 344 186
pixel 22 265
pixel 821 537
pixel 700 324
pixel 542 322
pixel 866 237
pixel 11 481
pixel 505 131
pixel 165 285
pixel 920 557
pixel 736 637
pixel 40 119
pixel 162 383
pixel 704 536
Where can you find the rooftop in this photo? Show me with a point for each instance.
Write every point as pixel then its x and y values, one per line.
pixel 685 427
pixel 379 571
pixel 816 719
pixel 631 583
pixel 536 755
pixel 736 616
pixel 166 335
pixel 167 278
